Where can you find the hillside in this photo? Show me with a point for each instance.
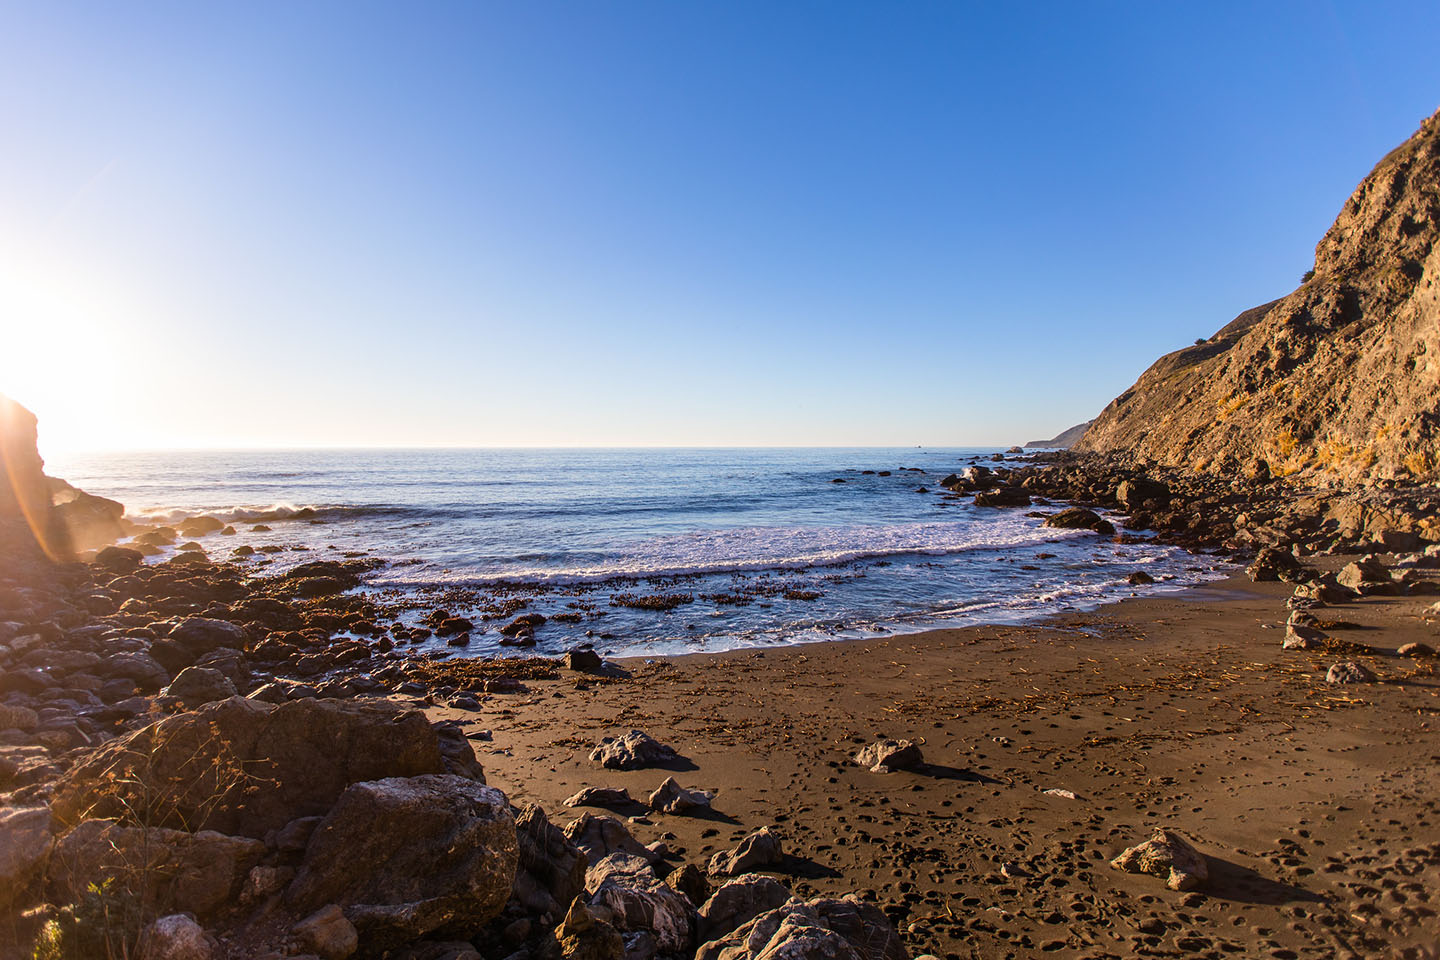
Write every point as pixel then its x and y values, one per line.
pixel 1338 382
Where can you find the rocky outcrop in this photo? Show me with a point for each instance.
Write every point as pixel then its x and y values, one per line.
pixel 1337 382
pixel 1064 441
pixel 60 518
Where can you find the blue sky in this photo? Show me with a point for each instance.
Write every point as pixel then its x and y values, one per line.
pixel 659 223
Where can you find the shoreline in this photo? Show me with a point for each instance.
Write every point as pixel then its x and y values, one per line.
pixel 1156 711
pixel 1050 745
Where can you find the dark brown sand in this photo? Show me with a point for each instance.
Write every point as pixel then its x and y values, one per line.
pixel 1316 804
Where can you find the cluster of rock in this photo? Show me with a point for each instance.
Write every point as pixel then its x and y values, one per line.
pixel 1239 515
pixel 338 828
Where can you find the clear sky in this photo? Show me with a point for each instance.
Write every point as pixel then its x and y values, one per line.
pixel 686 223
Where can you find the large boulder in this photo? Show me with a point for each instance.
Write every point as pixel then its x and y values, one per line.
pixel 820 929
pixel 407 856
pixel 247 767
pixel 551 871
pixel 174 871
pixel 1166 854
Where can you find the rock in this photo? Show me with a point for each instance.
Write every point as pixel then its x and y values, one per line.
pixel 176 872
pixel 584 661
pixel 760 849
pixel 16 717
pixel 1135 493
pixel 176 937
pixel 327 934
pixel 195 686
pixel 1273 564
pixel 691 881
pixel 654 909
pixel 525 623
pixel 670 797
pixel 1323 591
pixel 820 929
pixel 406 856
pixel 1166 854
pixel 201 635
pixel 601 797
pixel 1416 649
pixel 302 754
pixel 140 668
pixel 632 751
pixel 25 845
pixel 1348 671
pixel 551 870
pixel 118 559
pixel 582 937
pixel 1078 518
pixel 889 756
pixel 1002 497
pixel 1139 579
pixel 739 901
pixel 1300 637
pixel 1366 576
pixel 599 837
pixel 626 869
pixel 200 526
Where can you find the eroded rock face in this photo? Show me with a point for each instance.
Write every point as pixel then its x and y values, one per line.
pixel 300 755
pixel 551 869
pixel 1166 854
pixel 406 856
pixel 820 929
pixel 1337 380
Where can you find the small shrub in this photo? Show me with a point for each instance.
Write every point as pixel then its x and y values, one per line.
pixel 1307 276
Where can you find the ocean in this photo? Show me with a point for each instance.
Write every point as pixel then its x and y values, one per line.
pixel 648 551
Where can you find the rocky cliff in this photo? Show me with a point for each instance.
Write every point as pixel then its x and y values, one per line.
pixel 60 518
pixel 1337 383
pixel 1063 440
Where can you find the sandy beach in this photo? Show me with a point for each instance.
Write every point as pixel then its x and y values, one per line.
pixel 1313 802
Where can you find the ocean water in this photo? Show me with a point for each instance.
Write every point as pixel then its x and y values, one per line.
pixel 750 546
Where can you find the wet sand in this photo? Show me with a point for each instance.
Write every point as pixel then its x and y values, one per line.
pixel 1316 803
